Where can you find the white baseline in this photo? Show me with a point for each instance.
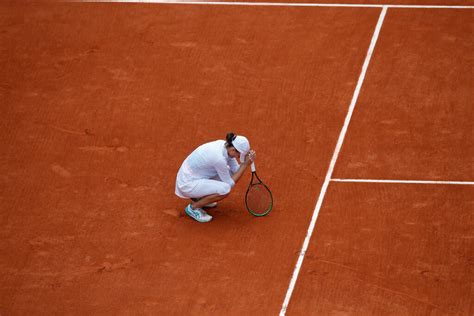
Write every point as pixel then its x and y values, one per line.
pixel 404 181
pixel 340 141
pixel 284 4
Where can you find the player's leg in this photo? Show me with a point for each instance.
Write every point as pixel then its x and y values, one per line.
pixel 208 201
pixel 209 191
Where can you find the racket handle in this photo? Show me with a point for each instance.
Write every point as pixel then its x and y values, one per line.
pixel 252 166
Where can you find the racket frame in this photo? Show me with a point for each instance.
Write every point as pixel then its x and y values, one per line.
pixel 252 183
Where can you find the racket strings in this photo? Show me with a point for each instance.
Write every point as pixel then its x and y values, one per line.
pixel 259 199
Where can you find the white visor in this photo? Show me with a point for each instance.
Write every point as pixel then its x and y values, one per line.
pixel 242 145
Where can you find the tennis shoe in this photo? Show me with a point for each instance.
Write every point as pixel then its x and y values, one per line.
pixel 198 214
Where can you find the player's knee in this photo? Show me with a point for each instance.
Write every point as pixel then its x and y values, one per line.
pixel 224 190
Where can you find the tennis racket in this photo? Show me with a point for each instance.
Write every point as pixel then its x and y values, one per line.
pixel 258 198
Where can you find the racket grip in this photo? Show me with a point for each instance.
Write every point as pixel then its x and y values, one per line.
pixel 252 167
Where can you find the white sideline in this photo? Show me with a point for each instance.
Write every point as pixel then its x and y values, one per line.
pixel 404 181
pixel 333 162
pixel 284 4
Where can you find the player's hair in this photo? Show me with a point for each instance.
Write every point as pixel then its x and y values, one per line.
pixel 229 138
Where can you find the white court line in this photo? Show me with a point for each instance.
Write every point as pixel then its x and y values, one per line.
pixel 404 181
pixel 283 4
pixel 333 162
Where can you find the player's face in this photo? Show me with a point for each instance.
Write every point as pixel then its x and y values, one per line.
pixel 233 152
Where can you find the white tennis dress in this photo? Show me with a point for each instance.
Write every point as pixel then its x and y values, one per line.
pixel 207 170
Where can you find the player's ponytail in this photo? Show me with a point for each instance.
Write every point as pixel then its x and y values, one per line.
pixel 229 138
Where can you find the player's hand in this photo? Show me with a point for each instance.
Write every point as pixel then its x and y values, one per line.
pixel 250 157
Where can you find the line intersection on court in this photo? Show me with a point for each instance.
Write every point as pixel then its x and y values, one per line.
pixel 332 164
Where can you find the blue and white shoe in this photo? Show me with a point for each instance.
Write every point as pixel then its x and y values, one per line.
pixel 198 214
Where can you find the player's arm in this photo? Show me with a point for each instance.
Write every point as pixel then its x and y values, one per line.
pixel 223 172
pixel 248 160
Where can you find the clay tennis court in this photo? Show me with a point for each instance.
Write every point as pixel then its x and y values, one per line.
pixel 361 116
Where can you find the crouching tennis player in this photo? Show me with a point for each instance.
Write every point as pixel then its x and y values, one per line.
pixel 210 172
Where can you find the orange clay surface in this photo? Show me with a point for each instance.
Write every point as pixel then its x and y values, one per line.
pixel 102 102
pixel 415 112
pixel 397 250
